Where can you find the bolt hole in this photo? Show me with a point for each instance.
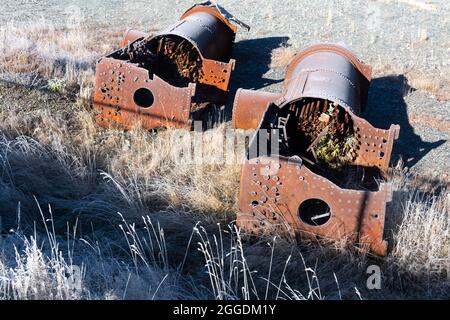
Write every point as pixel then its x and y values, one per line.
pixel 143 98
pixel 314 212
pixel 255 203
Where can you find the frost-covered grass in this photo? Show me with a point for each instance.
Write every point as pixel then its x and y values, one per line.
pixel 64 181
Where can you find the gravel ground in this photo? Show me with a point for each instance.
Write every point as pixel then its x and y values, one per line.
pixel 396 37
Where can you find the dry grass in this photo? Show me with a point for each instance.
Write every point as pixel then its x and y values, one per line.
pixel 437 86
pixel 36 52
pixel 424 82
pixel 32 268
pixel 53 154
pixel 422 243
pixel 282 56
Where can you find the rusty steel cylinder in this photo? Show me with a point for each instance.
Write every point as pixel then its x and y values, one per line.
pixel 324 71
pixel 290 189
pixel 168 78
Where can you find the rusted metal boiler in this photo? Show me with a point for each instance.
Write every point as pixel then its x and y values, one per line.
pixel 168 79
pixel 326 176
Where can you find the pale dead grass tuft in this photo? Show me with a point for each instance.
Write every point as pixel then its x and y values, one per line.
pixel 422 243
pixel 420 224
pixel 282 56
pixel 381 67
pixel 424 82
pixel 439 87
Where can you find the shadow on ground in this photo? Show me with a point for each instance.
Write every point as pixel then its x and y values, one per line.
pixel 253 57
pixel 386 106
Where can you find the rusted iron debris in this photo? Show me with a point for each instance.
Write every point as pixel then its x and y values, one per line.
pixel 169 78
pixel 327 178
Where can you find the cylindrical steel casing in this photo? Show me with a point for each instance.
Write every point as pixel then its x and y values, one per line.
pixel 329 72
pixel 207 30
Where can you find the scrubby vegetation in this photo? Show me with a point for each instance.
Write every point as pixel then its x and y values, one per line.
pixel 138 224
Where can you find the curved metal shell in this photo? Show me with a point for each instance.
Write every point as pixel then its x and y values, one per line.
pixel 132 35
pixel 204 26
pixel 212 36
pixel 329 72
pixel 249 107
pixel 324 71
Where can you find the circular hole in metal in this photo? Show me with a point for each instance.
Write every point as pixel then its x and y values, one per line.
pixel 143 98
pixel 255 203
pixel 314 212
